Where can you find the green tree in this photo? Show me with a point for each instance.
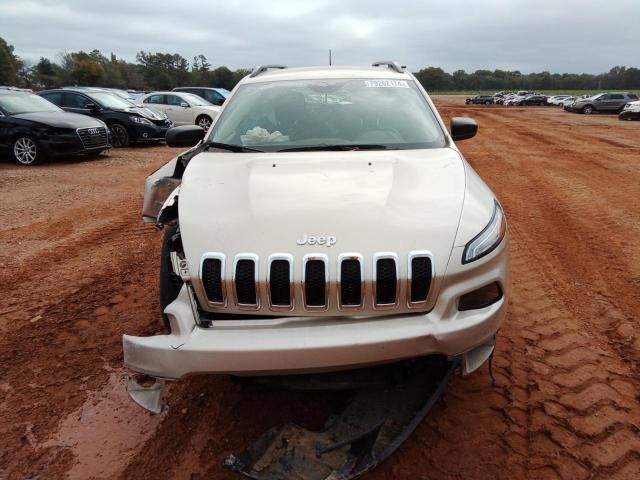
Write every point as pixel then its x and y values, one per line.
pixel 8 64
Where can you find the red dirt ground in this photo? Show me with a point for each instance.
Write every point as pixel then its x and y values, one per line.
pixel 78 269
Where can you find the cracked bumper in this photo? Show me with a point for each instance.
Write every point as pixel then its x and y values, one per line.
pixel 312 344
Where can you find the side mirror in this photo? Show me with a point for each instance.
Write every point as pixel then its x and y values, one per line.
pixel 463 128
pixel 184 105
pixel 184 136
pixel 91 106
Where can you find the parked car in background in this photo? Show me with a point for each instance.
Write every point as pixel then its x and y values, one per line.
pixel 480 99
pixel 557 99
pixel 215 96
pixel 33 129
pixel 631 111
pixel 515 100
pixel 127 122
pixel 604 102
pixel 182 108
pixel 533 100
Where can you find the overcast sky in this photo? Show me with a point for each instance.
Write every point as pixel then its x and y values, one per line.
pixel 527 35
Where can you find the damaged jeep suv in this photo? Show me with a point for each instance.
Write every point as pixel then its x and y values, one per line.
pixel 325 221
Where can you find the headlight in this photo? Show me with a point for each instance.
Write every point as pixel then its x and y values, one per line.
pixel 489 238
pixel 140 120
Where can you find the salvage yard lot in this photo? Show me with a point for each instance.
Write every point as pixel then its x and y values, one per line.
pixel 78 269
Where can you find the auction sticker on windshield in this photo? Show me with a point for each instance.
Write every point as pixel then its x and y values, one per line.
pixel 386 83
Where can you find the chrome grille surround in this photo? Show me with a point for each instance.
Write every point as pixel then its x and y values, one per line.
pixel 333 303
pixel 279 256
pixel 324 259
pixel 419 254
pixel 382 256
pixel 93 137
pixel 252 257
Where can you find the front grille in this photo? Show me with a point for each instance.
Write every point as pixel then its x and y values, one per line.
pixel 280 283
pixel 245 282
pixel 212 279
pixel 386 281
pixel 420 279
pixel 348 282
pixel 315 283
pixel 93 137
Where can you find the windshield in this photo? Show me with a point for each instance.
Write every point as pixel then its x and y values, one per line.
pixel 274 116
pixel 25 103
pixel 194 100
pixel 110 100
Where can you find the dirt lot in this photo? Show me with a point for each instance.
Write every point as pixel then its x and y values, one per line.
pixel 78 269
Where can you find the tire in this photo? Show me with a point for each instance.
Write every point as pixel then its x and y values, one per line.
pixel 587 109
pixel 170 283
pixel 25 150
pixel 119 135
pixel 487 103
pixel 204 122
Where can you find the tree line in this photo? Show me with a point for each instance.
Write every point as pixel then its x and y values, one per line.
pixel 161 71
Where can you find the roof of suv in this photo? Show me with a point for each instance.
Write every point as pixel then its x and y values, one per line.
pixel 327 72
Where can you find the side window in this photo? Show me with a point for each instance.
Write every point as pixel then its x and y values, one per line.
pixel 74 100
pixel 616 96
pixel 157 99
pixel 174 100
pixel 54 97
pixel 212 96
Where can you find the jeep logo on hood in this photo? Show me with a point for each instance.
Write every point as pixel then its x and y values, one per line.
pixel 328 240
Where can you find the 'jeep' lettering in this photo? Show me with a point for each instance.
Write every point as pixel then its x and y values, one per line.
pixel 327 240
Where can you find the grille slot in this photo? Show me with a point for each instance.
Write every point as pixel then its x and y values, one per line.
pixel 386 281
pixel 421 273
pixel 93 137
pixel 212 279
pixel 350 283
pixel 280 283
pixel 315 283
pixel 245 282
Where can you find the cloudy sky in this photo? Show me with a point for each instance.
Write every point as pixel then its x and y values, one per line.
pixel 528 35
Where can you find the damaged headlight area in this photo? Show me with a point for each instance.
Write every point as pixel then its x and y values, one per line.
pixel 488 239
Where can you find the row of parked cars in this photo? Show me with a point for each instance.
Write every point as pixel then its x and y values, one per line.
pixel 626 104
pixel 87 120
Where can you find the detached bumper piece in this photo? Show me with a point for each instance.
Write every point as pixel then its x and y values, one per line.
pixel 387 407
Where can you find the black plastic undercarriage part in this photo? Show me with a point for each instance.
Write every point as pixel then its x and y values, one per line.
pixel 388 403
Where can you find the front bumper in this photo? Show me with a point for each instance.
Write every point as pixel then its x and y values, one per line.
pixel 150 133
pixel 629 115
pixel 67 144
pixel 312 344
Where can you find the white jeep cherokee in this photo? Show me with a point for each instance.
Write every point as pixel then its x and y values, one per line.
pixel 327 220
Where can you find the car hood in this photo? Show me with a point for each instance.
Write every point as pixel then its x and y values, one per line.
pixel 61 119
pixel 146 113
pixel 263 203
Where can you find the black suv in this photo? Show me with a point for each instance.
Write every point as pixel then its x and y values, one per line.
pixel 127 122
pixel 480 99
pixel 215 96
pixel 605 102
pixel 32 129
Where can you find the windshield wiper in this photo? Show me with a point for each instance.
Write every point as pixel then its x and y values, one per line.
pixel 230 147
pixel 338 147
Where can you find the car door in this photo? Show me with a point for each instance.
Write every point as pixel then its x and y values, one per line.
pixel 181 115
pixel 616 102
pixel 158 102
pixel 5 130
pixel 77 103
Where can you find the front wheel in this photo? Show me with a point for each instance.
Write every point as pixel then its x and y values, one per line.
pixel 587 110
pixel 25 151
pixel 204 122
pixel 119 135
pixel 487 103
